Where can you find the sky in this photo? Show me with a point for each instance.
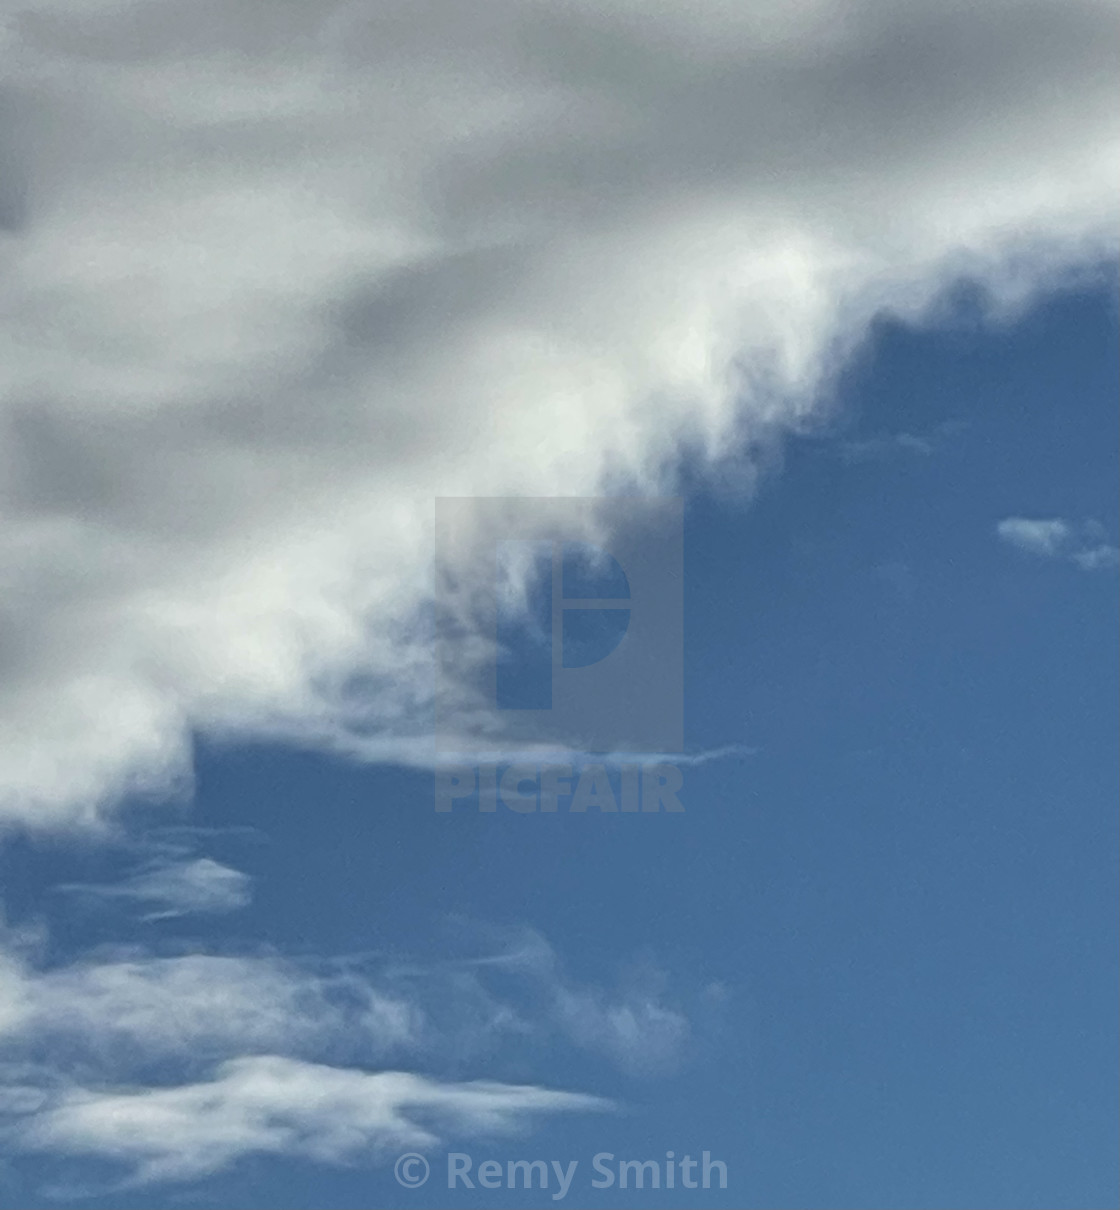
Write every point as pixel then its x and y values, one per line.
pixel 841 281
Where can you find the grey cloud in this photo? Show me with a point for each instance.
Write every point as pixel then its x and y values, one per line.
pixel 273 276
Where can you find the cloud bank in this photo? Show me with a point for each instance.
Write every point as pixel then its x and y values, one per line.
pixel 273 276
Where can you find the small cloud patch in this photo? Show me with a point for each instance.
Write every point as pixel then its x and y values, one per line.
pixel 1080 543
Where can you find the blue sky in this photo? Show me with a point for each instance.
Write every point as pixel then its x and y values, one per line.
pixel 319 323
pixel 884 921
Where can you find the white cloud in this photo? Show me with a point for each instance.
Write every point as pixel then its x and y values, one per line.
pixel 1079 543
pixel 635 1025
pixel 137 1007
pixel 270 1105
pixel 272 276
pixel 177 1066
pixel 1094 558
pixel 637 1030
pixel 179 887
pixel 1037 537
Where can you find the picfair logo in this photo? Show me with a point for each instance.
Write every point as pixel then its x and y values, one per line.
pixel 578 643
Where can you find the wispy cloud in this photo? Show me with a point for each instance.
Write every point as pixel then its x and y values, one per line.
pixel 1081 543
pixel 877 446
pixel 137 1008
pixel 191 1061
pixel 177 887
pixel 272 1105
pixel 882 445
pixel 637 1025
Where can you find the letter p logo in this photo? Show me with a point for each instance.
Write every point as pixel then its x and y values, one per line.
pixel 586 641
pixel 573 611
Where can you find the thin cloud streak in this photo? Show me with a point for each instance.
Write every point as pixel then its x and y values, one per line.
pixel 167 889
